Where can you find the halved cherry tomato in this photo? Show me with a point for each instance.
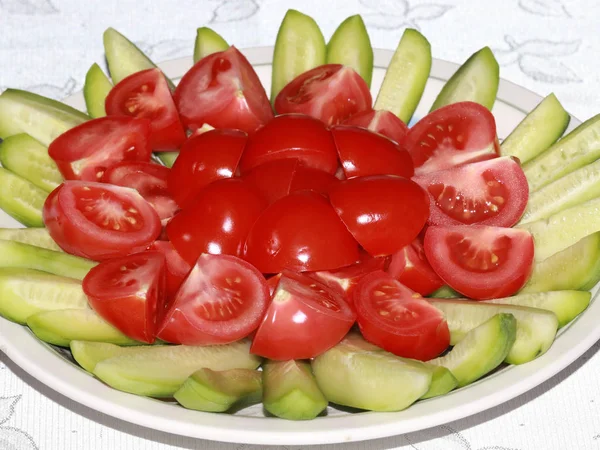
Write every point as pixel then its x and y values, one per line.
pixel 382 122
pixel 480 261
pixel 222 300
pixel 331 93
pixel 224 91
pixel 493 192
pixel 86 151
pixel 176 267
pixel 100 221
pixel 364 153
pixel 308 179
pixel 300 232
pixel 456 134
pixel 129 293
pixel 210 156
pixel 291 136
pixel 305 318
pixel 272 283
pixel 383 213
pixel 410 267
pixel 399 320
pixel 146 94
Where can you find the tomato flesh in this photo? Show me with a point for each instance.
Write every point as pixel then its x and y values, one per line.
pixel 411 268
pixel 382 122
pixel 176 268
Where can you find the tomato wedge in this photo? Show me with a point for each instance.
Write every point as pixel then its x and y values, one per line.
pixel 176 267
pixel 382 122
pixel 480 262
pixel 410 267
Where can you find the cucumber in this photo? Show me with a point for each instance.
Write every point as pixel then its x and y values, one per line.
pixel 578 148
pixel 26 157
pixel 21 199
pixel 442 382
pixel 445 292
pixel 167 158
pixel 541 128
pixel 475 81
pixel 38 237
pixel 24 292
pixel 350 46
pixel 208 41
pixel 40 117
pixel 62 326
pixel 406 76
pixel 88 354
pixel 95 90
pixel 482 349
pixel 300 46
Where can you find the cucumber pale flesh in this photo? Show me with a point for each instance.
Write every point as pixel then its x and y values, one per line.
pixel 21 199
pixel 88 354
pixel 95 90
pixel 38 237
pixel 442 382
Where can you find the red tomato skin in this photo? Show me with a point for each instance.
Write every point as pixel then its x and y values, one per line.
pixel 272 283
pixel 383 213
pixel 308 179
pixel 330 93
pixel 383 122
pixel 146 94
pixel 176 268
pixel 410 267
pixel 300 232
pixel 291 136
pixel 224 91
pixel 205 158
pixel 363 153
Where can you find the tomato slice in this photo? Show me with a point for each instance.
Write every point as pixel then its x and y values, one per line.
pixel 480 261
pixel 300 232
pixel 383 213
pixel 399 320
pixel 129 293
pixel 411 268
pixel 146 94
pixel 382 122
pixel 364 153
pixel 205 158
pixel 456 134
pixel 87 150
pixel 493 192
pixel 176 267
pixel 304 319
pixel 224 91
pixel 100 221
pixel 222 300
pixel 331 93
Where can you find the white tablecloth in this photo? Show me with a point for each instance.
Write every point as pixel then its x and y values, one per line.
pixel 546 45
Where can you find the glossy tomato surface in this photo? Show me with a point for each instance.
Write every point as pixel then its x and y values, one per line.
pixel 176 268
pixel 382 122
pixel 410 267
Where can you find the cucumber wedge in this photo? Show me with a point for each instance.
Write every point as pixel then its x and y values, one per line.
pixel 21 199
pixel 38 237
pixel 95 90
pixel 300 46
pixel 541 128
pixel 88 354
pixel 208 42
pixel 406 76
pixel 445 292
pixel 167 158
pixel 475 81
pixel 442 382
pixel 350 46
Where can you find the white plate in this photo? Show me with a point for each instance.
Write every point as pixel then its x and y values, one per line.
pixel 55 368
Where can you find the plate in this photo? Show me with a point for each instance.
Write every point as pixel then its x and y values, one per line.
pixel 55 368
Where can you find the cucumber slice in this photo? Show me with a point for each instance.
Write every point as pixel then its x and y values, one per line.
pixel 24 292
pixel 159 371
pixel 38 237
pixel 208 41
pixel 167 158
pixel 536 328
pixel 482 349
pixel 475 81
pixel 442 382
pixel 445 292
pixel 95 90
pixel 290 390
pixel 541 128
pixel 578 148
pixel 62 326
pixel 406 76
pixel 88 354
pixel 350 45
pixel 21 199
pixel 300 46
pixel 40 117
pixel 26 157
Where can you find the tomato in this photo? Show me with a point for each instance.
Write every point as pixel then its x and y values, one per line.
pixel 218 221
pixel 382 122
pixel 272 283
pixel 383 213
pixel 364 153
pixel 176 267
pixel 300 232
pixel 493 192
pixel 453 135
pixel 129 293
pixel 210 156
pixel 308 179
pixel 399 320
pixel 291 136
pixel 331 93
pixel 87 150
pixel 304 319
pixel 410 267
pixel 100 221
pixel 222 300
pixel 146 94
pixel 479 261
pixel 224 91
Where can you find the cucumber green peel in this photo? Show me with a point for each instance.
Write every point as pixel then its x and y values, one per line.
pixel 442 382
pixel 350 46
pixel 21 199
pixel 95 90
pixel 38 237
pixel 208 42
